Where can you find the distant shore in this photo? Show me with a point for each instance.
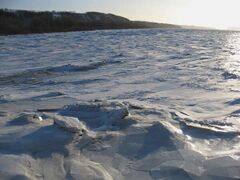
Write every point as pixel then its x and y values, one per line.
pixel 28 22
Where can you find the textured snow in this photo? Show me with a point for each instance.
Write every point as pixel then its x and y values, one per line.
pixel 127 104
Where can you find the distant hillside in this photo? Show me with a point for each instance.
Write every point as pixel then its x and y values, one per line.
pixel 24 22
pixel 155 25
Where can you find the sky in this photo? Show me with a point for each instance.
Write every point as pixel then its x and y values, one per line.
pixel 210 13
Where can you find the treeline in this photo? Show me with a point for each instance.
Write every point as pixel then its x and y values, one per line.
pixel 24 22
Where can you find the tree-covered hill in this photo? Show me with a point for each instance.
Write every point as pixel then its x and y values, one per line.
pixel 24 22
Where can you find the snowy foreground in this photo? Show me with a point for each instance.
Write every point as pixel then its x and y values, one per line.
pixel 135 104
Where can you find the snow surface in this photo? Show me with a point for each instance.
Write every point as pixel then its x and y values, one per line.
pixel 127 104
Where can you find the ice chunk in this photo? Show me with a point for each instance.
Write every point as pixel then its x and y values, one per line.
pixel 97 114
pixel 70 124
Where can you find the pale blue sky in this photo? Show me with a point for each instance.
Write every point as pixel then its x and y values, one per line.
pixel 214 13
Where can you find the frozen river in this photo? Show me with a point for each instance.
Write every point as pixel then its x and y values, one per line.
pixel 154 104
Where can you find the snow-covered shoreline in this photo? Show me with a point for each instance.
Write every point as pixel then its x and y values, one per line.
pixel 110 140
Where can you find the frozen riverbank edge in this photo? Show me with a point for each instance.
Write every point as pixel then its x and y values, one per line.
pixel 113 140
